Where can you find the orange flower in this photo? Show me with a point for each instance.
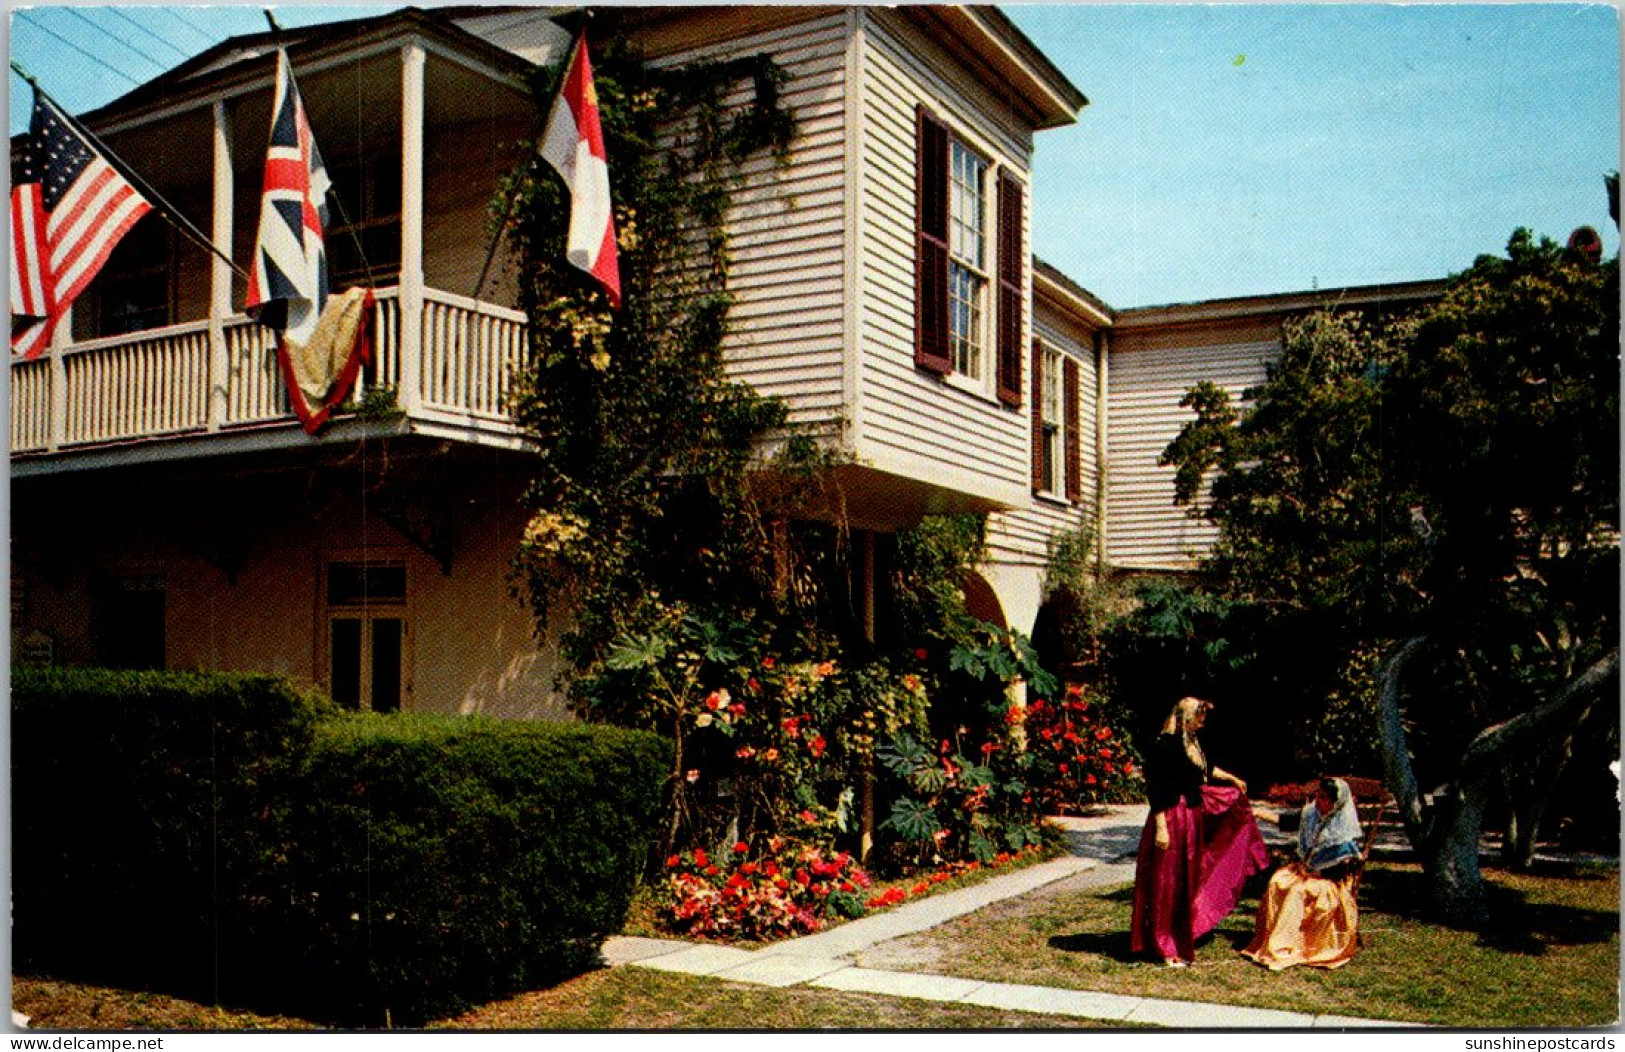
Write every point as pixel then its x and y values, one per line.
pixel 911 682
pixel 825 668
pixel 768 662
pixel 713 700
pixel 744 752
pixel 770 755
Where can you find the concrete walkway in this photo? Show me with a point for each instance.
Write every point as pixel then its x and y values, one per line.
pixel 1102 847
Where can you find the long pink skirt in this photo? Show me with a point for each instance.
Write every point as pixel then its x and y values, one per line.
pixel 1182 892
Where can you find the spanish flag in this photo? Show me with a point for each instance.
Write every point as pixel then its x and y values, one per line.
pixel 574 144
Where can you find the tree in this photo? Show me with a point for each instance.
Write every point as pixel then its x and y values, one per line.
pixel 1443 487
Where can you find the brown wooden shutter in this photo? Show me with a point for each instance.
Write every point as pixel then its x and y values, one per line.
pixel 931 244
pixel 1070 436
pixel 1038 417
pixel 1012 264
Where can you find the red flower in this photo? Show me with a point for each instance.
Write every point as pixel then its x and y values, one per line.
pixel 808 817
pixel 1062 766
pixel 1109 769
pixel 771 868
pixel 741 847
pixel 744 752
pixel 817 745
pixel 1002 857
pixel 749 868
pixel 751 684
pixel 920 653
pixel 673 862
pixel 1090 780
pixel 713 701
pixel 1013 715
pixel 737 881
pixel 711 871
pixel 1102 734
pixel 700 859
pixel 792 726
pixel 768 662
pixel 737 708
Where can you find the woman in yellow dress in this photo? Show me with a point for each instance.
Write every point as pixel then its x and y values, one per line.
pixel 1308 914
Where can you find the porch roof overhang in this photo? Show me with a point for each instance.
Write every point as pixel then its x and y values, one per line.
pixel 245 63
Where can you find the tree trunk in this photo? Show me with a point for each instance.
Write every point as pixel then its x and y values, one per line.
pixel 1450 864
pixel 1446 840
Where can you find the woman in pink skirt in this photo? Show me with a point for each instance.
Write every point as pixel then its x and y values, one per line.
pixel 1200 844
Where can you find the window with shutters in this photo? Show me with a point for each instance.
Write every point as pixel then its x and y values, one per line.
pixel 969 264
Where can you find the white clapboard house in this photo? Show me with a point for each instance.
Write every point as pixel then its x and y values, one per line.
pixel 169 511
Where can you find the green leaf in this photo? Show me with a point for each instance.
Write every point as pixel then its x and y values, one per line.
pixel 912 820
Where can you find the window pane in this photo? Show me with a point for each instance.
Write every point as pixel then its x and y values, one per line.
pixel 344 661
pixel 386 664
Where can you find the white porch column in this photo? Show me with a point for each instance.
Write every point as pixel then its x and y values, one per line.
pixel 412 62
pixel 220 271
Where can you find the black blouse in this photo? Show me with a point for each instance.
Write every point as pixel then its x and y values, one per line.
pixel 1170 774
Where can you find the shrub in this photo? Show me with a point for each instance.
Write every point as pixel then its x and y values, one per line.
pixel 446 860
pixel 232 839
pixel 149 822
pixel 1080 754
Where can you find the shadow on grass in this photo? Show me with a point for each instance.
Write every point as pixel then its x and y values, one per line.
pixel 1113 945
pixel 1516 925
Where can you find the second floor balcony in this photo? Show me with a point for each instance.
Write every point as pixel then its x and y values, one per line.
pixel 442 364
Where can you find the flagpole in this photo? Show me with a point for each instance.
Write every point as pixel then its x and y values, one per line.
pixel 163 207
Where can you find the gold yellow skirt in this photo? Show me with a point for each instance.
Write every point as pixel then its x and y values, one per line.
pixel 1305 919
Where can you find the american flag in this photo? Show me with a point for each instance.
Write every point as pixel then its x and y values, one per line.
pixel 69 207
pixel 288 286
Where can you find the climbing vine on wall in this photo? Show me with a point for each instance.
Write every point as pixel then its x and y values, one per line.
pixel 639 493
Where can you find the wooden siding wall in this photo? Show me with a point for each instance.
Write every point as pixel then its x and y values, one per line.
pixel 1145 529
pixel 788 227
pixel 462 166
pixel 908 419
pixel 1022 535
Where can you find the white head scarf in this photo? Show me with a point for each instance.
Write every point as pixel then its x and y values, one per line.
pixel 1319 835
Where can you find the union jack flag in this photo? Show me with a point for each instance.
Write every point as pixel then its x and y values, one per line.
pixel 287 288
pixel 69 207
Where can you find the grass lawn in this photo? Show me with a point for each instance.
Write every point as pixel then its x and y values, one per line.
pixel 618 999
pixel 1552 962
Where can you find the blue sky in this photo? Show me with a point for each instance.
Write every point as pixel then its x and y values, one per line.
pixel 1227 150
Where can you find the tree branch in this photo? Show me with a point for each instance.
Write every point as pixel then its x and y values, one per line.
pixel 1398 773
pixel 1489 750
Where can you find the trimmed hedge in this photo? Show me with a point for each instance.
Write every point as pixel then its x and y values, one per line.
pixel 149 821
pixel 448 860
pixel 227 837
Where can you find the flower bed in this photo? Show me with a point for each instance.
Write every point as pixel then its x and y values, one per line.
pixel 791 889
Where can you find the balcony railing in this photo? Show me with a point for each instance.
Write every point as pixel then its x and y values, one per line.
pixel 201 377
